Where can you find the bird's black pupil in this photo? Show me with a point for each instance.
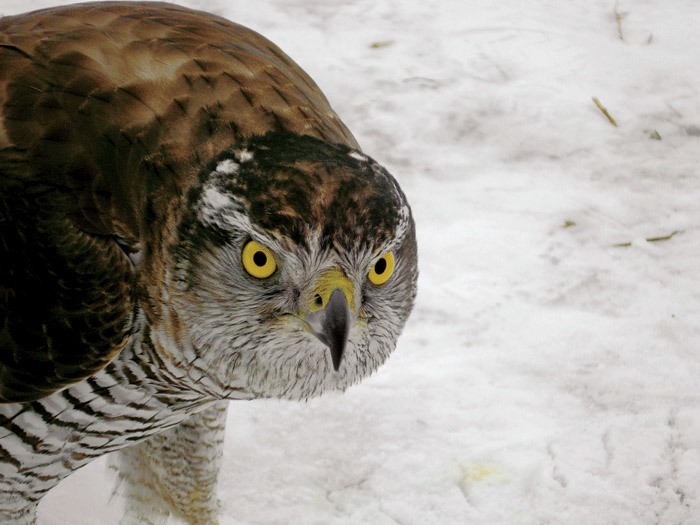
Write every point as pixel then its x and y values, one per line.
pixel 260 259
pixel 380 267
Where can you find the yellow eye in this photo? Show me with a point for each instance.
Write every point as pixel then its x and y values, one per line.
pixel 258 260
pixel 382 269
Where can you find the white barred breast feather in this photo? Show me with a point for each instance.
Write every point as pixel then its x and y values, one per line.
pixel 184 221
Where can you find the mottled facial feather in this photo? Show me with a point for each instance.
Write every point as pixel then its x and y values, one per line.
pixel 293 186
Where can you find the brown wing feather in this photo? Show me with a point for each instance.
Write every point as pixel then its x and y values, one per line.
pixel 66 297
pixel 108 111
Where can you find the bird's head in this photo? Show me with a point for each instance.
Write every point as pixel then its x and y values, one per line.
pixel 293 271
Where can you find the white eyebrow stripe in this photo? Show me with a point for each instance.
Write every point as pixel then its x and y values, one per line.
pixel 243 155
pixel 213 202
pixel 228 212
pixel 228 167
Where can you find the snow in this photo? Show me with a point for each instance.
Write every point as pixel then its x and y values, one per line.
pixel 550 373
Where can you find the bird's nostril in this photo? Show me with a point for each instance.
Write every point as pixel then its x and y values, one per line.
pixel 318 300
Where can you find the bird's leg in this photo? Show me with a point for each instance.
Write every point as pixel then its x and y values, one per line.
pixel 175 472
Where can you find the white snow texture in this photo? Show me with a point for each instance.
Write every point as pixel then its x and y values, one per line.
pixel 550 373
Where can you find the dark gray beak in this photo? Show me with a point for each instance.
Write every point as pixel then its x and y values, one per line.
pixel 331 325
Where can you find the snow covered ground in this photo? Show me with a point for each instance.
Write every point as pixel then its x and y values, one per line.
pixel 550 373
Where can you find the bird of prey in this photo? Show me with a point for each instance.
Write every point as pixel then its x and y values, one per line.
pixel 184 221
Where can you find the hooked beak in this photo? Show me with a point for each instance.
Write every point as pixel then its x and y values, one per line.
pixel 331 325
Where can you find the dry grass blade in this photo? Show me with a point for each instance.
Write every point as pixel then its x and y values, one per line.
pixel 618 19
pixel 604 111
pixel 381 43
pixel 660 238
pixel 663 237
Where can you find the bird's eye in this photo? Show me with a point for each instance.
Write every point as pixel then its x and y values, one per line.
pixel 258 260
pixel 382 269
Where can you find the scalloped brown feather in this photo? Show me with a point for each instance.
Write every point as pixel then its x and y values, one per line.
pixel 108 112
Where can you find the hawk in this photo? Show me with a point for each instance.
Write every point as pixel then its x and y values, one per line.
pixel 184 221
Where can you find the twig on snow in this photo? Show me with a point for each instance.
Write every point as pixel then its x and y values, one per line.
pixel 660 238
pixel 618 19
pixel 663 237
pixel 604 111
pixel 381 43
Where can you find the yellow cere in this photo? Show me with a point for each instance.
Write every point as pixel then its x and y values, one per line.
pixel 382 269
pixel 258 260
pixel 328 281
